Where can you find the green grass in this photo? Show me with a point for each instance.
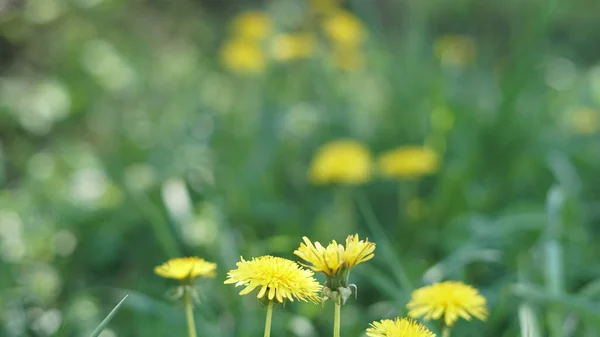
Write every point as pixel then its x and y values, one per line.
pixel 161 152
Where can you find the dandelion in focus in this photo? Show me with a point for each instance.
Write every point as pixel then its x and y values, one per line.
pixel 447 301
pixel 408 162
pixel 291 47
pixel 399 327
pixel 341 161
pixel 455 50
pixel 336 262
pixel 185 270
pixel 277 280
pixel 344 29
pixel 243 56
pixel 252 26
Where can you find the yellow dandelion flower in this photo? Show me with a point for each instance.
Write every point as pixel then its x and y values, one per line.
pixel 450 299
pixel 252 25
pixel 186 268
pixel 324 6
pixel 585 120
pixel 344 28
pixel 335 260
pixel 243 56
pixel 348 58
pixel 342 161
pixel 290 47
pixel 408 162
pixel 276 278
pixel 399 327
pixel 455 50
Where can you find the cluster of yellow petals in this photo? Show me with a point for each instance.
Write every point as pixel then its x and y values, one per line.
pixel 242 52
pixel 399 327
pixel 349 162
pixel 335 258
pixel 344 28
pixel 343 161
pixel 252 26
pixel 243 56
pixel 408 162
pixel 450 300
pixel 276 278
pixel 186 268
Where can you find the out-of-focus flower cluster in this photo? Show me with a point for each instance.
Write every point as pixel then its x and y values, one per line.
pixel 324 31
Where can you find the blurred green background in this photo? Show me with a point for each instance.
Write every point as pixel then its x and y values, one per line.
pixel 136 131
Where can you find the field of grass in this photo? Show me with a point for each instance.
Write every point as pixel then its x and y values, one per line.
pixel 461 137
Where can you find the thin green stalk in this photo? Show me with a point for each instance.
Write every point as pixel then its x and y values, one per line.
pixel 268 321
pixel 446 331
pixel 189 311
pixel 336 316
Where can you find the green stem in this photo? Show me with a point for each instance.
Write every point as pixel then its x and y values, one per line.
pixel 189 311
pixel 336 316
pixel 446 332
pixel 268 321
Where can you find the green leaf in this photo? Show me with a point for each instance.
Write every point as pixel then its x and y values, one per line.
pixel 106 320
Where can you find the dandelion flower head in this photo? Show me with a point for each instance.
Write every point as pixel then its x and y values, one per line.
pixel 344 28
pixel 252 25
pixel 342 161
pixel 408 162
pixel 186 268
pixel 276 278
pixel 399 327
pixel 335 260
pixel 243 56
pixel 450 299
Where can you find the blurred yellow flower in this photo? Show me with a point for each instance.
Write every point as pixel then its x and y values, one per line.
pixel 455 50
pixel 399 327
pixel 243 56
pixel 408 162
pixel 585 120
pixel 344 28
pixel 335 260
pixel 450 299
pixel 342 161
pixel 348 58
pixel 289 47
pixel 186 268
pixel 324 6
pixel 252 25
pixel 277 278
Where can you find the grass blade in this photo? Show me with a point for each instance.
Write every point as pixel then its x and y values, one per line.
pixel 569 302
pixel 106 320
